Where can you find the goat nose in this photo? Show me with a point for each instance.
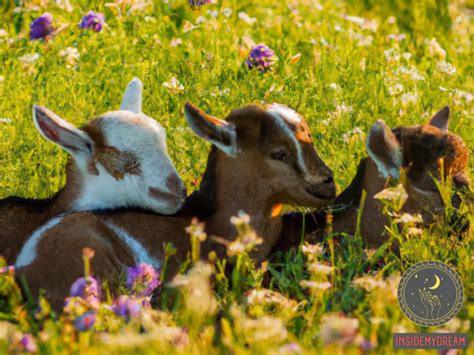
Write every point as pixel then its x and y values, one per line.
pixel 325 189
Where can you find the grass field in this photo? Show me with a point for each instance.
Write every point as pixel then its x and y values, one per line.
pixel 341 64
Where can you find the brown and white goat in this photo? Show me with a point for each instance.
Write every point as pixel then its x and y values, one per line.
pixel 117 160
pixel 416 149
pixel 261 157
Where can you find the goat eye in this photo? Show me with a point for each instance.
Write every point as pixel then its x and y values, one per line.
pixel 280 154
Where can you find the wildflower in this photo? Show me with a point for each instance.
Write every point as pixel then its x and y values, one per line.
pixel 246 18
pixel 85 322
pixel 338 329
pixel 174 86
pixel 127 307
pixel 407 56
pixel 196 288
pixel 71 55
pixel 356 132
pixel 312 250
pixel 467 96
pixel 142 280
pixel 29 58
pixel 93 21
pixel 290 348
pixel 28 343
pixel 10 269
pixel 407 218
pixel 368 283
pixel 247 237
pixel 408 99
pixel 42 27
pixel 435 48
pixel 3 32
pixel 414 232
pixel 86 288
pixel 197 3
pixel 261 57
pixel 315 285
pixel 396 194
pixel 392 55
pixel 268 297
pixel 334 86
pixel 395 89
pixel 176 42
pixel 445 67
pixel 397 37
pixel 320 269
pixel 227 12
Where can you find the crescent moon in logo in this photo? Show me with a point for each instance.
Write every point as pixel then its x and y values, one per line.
pixel 437 282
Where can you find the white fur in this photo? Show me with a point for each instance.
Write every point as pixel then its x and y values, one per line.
pixel 28 252
pixel 146 140
pixel 132 98
pixel 279 120
pixel 286 113
pixel 140 253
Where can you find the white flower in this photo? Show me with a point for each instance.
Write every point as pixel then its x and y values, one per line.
pixel 320 269
pixel 315 285
pixel 3 33
pixel 5 120
pixel 464 95
pixel 435 48
pixel 407 218
pixel 408 99
pixel 228 12
pixel 174 86
pixel 368 283
pixel 200 19
pixel 394 194
pixel 334 86
pixel 71 55
pixel 246 18
pixel 337 28
pixel 406 56
pixel 312 250
pixel 397 37
pixel 392 55
pixel 347 137
pixel 338 329
pixel 445 67
pixel 176 42
pixel 395 89
pixel 29 58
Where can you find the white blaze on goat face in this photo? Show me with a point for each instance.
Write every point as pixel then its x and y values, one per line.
pixel 284 116
pixel 155 183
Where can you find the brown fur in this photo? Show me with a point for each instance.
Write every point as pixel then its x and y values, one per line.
pixel 20 217
pixel 422 148
pixel 251 182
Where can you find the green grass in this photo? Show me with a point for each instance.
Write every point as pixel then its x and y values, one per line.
pixel 210 64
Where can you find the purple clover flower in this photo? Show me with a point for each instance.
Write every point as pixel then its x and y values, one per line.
pixel 42 26
pixel 197 3
pixel 86 288
pixel 28 343
pixel 93 21
pixel 85 322
pixel 260 57
pixel 127 307
pixel 142 279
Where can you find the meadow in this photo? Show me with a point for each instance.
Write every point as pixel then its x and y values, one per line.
pixel 341 64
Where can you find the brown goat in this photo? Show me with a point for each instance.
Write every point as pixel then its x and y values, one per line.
pixel 416 149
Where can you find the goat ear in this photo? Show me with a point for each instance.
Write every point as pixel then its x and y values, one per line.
pixel 440 119
pixel 132 97
pixel 55 129
pixel 220 133
pixel 384 149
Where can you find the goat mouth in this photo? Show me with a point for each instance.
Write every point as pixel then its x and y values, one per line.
pixel 167 197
